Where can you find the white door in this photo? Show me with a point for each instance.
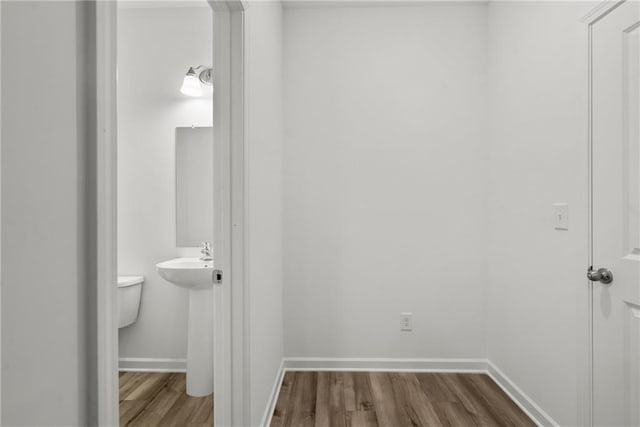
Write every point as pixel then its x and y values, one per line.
pixel 615 121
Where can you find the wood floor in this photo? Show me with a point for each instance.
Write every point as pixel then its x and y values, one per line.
pixel 395 399
pixel 160 399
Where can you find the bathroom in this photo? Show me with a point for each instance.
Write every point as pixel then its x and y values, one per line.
pixel 434 199
pixel 162 214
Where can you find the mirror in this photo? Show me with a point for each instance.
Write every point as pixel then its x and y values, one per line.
pixel 194 186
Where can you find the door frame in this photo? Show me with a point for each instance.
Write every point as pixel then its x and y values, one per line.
pixel 601 10
pixel 230 297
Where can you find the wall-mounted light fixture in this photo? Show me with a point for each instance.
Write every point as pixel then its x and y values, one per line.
pixel 194 80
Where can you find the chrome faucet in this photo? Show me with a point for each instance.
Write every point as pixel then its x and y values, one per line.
pixel 206 252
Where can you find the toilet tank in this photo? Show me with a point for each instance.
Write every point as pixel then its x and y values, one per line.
pixel 129 293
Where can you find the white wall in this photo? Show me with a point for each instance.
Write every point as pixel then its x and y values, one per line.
pixel 385 181
pixel 538 157
pixel 264 160
pixel 46 250
pixel 156 46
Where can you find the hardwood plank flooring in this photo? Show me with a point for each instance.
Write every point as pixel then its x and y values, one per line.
pixel 160 399
pixel 394 399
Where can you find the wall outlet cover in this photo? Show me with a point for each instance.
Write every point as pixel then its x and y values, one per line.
pixel 406 321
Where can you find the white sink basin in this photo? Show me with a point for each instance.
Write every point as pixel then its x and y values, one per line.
pixel 190 273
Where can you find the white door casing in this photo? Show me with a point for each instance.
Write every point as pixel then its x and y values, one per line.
pixel 106 197
pixel 230 369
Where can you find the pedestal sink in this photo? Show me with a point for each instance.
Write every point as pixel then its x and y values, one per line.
pixel 196 276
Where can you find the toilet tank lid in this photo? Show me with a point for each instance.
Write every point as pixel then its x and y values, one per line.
pixel 129 280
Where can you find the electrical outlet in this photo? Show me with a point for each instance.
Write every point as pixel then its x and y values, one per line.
pixel 406 321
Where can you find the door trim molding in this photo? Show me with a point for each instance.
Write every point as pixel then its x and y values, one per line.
pixel 106 200
pixel 600 11
pixel 231 374
pixel 586 404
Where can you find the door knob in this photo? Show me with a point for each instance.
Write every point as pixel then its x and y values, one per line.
pixel 602 275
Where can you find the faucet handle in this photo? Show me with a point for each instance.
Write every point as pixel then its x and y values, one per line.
pixel 206 249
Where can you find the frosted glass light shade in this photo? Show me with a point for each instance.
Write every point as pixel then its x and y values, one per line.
pixel 191 86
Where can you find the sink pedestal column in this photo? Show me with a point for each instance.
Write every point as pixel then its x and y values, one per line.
pixel 200 343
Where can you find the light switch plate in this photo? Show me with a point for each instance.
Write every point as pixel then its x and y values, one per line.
pixel 561 216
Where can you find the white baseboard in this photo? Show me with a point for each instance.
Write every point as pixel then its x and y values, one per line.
pixel 384 364
pixel 144 364
pixel 273 398
pixel 539 416
pixel 525 403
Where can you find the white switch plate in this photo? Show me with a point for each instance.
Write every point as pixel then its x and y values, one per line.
pixel 561 216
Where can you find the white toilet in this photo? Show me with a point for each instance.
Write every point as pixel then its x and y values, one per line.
pixel 129 292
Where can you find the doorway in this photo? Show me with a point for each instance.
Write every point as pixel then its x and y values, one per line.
pixel 165 210
pixel 228 63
